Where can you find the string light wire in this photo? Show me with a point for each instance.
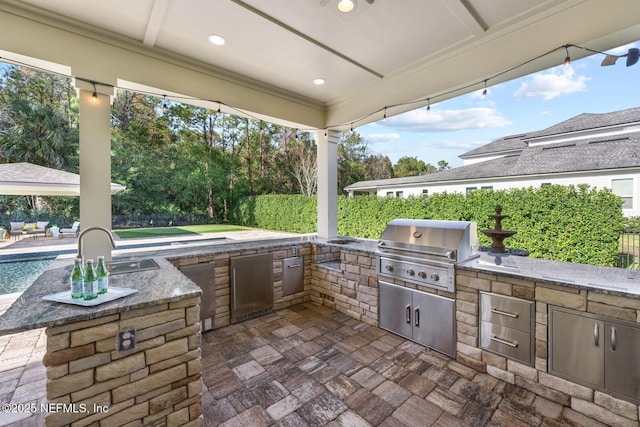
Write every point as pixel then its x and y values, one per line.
pixel 352 123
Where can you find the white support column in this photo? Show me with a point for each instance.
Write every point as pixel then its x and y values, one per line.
pixel 95 166
pixel 327 143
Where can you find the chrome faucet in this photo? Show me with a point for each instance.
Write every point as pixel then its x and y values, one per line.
pixel 82 233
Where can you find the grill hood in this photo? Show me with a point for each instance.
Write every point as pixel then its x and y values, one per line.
pixel 454 240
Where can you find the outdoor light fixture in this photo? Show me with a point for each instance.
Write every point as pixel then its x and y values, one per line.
pixel 567 59
pixel 346 6
pixel 216 39
pixel 318 82
pixel 94 95
pixel 165 107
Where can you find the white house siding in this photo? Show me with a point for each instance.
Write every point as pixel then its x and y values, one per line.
pixel 598 179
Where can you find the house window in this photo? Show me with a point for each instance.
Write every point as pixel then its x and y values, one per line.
pixel 425 192
pixel 487 187
pixel 624 189
pixel 399 194
pixel 471 189
pixel 389 193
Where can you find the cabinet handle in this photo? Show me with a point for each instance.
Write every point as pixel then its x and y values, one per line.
pixel 294 266
pixel 235 300
pixel 613 339
pixel 504 313
pixel 513 344
pixel 408 314
pixel 417 316
pixel 596 335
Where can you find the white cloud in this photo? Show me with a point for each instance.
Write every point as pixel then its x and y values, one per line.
pixel 548 85
pixel 377 138
pixel 436 120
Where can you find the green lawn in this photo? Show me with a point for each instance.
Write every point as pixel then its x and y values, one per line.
pixel 133 233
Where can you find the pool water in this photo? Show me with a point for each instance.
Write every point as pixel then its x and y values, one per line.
pixel 16 276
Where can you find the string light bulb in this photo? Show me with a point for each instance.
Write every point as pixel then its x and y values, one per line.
pixel 484 92
pixel 567 59
pixel 428 104
pixel 94 95
pixel 165 107
pixel 384 117
pixel 218 110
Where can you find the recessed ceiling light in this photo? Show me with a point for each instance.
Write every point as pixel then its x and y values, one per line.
pixel 216 39
pixel 318 82
pixel 346 6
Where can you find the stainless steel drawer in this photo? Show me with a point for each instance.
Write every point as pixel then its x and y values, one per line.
pixel 507 311
pixel 507 342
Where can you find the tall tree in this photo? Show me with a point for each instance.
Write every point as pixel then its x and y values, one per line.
pixel 378 167
pixel 352 153
pixel 411 166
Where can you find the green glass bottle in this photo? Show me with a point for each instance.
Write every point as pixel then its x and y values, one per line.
pixel 90 287
pixel 103 276
pixel 77 279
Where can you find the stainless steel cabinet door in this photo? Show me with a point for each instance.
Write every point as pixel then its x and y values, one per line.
pixel 434 322
pixel 622 355
pixel 395 309
pixel 577 347
pixel 251 279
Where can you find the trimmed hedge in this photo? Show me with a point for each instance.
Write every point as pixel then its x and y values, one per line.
pixel 565 223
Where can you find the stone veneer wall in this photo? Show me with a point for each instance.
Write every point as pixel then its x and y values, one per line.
pixel 582 400
pixel 221 277
pixel 346 281
pixel 156 384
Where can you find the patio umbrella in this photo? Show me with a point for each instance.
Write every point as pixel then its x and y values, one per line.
pixel 28 179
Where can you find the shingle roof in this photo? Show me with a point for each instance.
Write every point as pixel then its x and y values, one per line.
pixel 502 145
pixel 584 121
pixel 612 152
pixel 588 121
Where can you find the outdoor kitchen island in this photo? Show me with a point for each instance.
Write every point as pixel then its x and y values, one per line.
pixel 343 274
pixel 135 358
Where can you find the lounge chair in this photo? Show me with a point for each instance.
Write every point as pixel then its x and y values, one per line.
pixel 40 228
pixel 16 229
pixel 75 229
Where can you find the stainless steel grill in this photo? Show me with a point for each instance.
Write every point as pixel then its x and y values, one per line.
pixel 425 252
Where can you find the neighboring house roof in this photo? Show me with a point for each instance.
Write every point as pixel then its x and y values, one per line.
pixel 582 122
pixel 505 144
pixel 588 154
pixel 589 121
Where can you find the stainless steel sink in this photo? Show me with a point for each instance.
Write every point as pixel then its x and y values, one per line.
pixel 132 266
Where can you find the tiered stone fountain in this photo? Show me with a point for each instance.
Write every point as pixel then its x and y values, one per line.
pixel 497 235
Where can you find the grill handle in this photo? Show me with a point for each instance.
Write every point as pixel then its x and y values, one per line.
pixel 408 314
pixel 416 317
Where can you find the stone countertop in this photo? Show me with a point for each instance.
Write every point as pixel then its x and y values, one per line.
pixel 30 311
pixel 615 281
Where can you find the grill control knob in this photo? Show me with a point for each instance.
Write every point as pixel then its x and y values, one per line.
pixel 422 275
pixel 435 277
pixel 411 272
pixel 388 267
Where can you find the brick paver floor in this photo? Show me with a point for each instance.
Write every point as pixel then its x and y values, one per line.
pixel 312 366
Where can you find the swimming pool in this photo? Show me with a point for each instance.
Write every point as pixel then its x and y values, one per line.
pixel 16 276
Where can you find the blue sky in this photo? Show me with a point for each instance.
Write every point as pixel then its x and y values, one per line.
pixel 527 104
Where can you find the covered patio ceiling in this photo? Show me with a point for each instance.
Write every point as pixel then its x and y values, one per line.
pixel 381 57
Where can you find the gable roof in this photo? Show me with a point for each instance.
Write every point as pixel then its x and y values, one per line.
pixel 587 121
pixel 588 154
pixel 581 122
